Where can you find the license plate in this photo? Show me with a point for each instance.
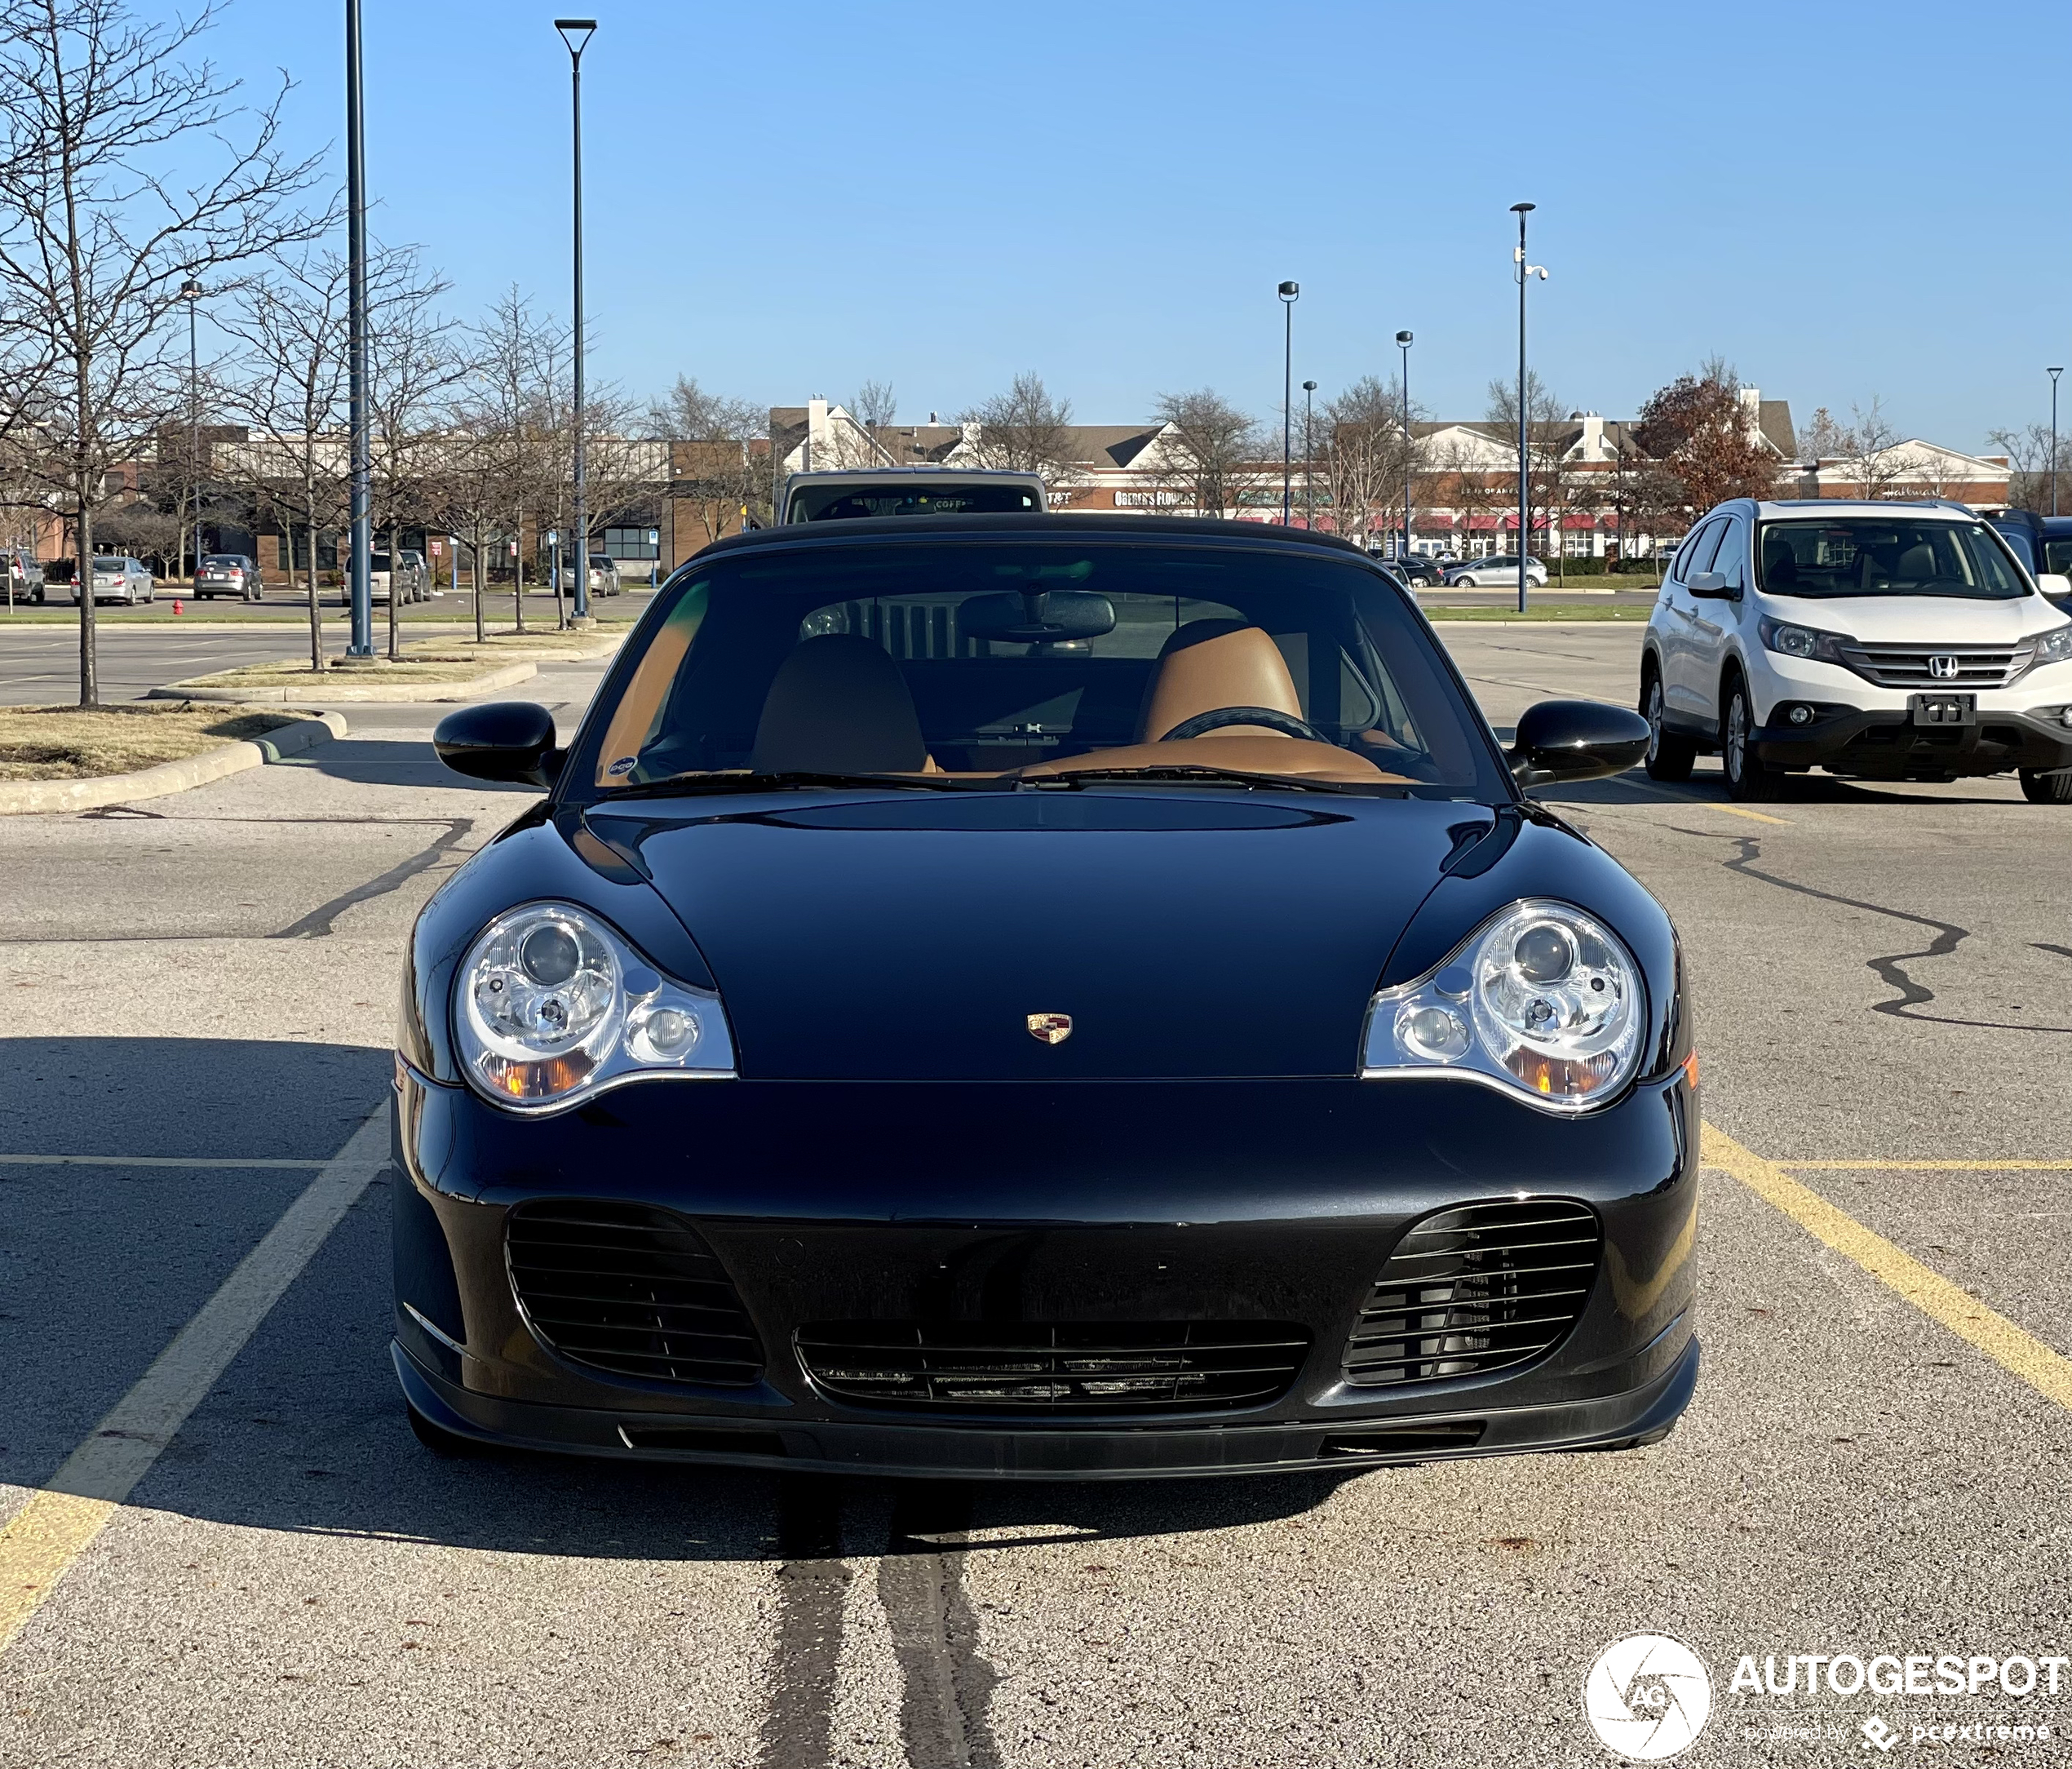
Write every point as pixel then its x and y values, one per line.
pixel 1944 709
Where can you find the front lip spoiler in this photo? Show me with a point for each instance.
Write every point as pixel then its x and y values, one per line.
pixel 925 1451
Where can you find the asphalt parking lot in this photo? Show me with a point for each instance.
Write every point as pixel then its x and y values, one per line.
pixel 198 997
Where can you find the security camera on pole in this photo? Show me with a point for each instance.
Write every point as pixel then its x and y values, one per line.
pixel 1290 293
pixel 576 34
pixel 1525 273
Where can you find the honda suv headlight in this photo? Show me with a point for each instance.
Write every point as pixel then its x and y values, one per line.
pixel 551 1003
pixel 2054 646
pixel 1543 999
pixel 1788 639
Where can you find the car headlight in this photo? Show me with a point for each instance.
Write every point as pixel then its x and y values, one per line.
pixel 551 1003
pixel 1542 999
pixel 2055 646
pixel 1790 639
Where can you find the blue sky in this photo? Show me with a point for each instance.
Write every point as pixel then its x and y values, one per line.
pixel 1845 199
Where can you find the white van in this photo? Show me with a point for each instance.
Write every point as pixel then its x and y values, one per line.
pixel 1880 641
pixel 848 494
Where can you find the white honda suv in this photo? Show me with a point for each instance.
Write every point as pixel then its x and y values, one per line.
pixel 1880 641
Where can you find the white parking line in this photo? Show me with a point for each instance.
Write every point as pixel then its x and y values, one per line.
pixel 42 1540
pixel 148 1160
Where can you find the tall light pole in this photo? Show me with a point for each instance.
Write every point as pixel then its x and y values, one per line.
pixel 1409 446
pixel 190 291
pixel 1290 293
pixel 576 34
pixel 361 541
pixel 1525 272
pixel 1309 478
pixel 2054 373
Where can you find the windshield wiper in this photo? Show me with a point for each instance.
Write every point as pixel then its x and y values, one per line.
pixel 1189 775
pixel 687 786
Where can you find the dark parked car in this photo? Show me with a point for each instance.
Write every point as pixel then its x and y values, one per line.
pixel 227 575
pixel 1042 996
pixel 1414 569
pixel 2043 543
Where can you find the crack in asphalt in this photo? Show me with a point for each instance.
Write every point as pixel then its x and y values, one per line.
pixel 812 1582
pixel 946 1689
pixel 1890 969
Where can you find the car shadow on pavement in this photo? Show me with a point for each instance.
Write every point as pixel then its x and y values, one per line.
pixel 392 762
pixel 101 1264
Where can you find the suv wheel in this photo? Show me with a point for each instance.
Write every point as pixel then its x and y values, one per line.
pixel 2041 788
pixel 1669 755
pixel 1748 776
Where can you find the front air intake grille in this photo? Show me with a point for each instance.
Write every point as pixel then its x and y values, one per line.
pixel 1476 1289
pixel 1157 1366
pixel 1962 666
pixel 630 1290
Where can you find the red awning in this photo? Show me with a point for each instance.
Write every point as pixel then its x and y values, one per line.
pixel 1483 524
pixel 1580 521
pixel 1435 519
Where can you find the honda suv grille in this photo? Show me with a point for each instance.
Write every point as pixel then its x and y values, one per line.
pixel 630 1290
pixel 1162 1366
pixel 1939 666
pixel 1476 1289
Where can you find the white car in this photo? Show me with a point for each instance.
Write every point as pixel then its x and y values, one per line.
pixel 1500 573
pixel 115 580
pixel 1880 641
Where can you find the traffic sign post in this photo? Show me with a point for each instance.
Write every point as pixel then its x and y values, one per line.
pixel 654 555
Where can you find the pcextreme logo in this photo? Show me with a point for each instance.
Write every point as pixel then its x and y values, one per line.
pixel 1647 1697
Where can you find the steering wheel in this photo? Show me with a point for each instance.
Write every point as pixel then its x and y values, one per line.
pixel 1286 723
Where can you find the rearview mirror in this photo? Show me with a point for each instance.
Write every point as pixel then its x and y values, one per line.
pixel 1037 617
pixel 1708 584
pixel 511 740
pixel 1576 740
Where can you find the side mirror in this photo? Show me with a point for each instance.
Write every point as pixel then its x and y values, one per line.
pixel 1576 740
pixel 2054 584
pixel 1711 585
pixel 508 740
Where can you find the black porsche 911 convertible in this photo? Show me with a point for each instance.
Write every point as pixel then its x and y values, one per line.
pixel 1043 996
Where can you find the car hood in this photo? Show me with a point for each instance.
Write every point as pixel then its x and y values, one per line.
pixel 1195 934
pixel 1918 619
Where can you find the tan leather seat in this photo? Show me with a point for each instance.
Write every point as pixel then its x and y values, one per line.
pixel 1210 664
pixel 839 704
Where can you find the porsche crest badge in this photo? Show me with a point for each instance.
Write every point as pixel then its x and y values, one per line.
pixel 1050 1028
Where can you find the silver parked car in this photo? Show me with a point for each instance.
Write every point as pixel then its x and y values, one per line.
pixel 116 579
pixel 22 576
pixel 227 575
pixel 1499 573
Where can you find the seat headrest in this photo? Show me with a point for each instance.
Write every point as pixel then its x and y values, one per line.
pixel 839 704
pixel 1916 563
pixel 1211 663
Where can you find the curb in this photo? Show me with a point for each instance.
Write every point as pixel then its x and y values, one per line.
pixel 331 689
pixel 17 796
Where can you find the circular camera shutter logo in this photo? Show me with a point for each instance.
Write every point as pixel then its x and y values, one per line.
pixel 1648 1697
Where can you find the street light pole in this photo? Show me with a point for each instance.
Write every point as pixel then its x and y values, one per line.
pixel 1409 445
pixel 1525 272
pixel 576 34
pixel 360 542
pixel 2054 373
pixel 191 293
pixel 1290 293
pixel 1309 477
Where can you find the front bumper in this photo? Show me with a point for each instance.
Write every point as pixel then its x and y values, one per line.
pixel 1087 1203
pixel 1886 744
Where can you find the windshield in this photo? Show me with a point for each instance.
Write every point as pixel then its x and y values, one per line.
pixel 1882 556
pixel 109 565
pixel 985 662
pixel 222 561
pixel 837 503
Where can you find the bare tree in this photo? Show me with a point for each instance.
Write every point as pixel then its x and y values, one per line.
pixel 1212 452
pixel 714 465
pixel 2037 472
pixel 874 404
pixel 1025 429
pixel 1874 454
pixel 98 232
pixel 1548 438
pixel 416 361
pixel 1460 478
pixel 1366 453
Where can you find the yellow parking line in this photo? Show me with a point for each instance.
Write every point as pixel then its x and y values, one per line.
pixel 1886 1166
pixel 2044 1370
pixel 1760 817
pixel 42 1541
